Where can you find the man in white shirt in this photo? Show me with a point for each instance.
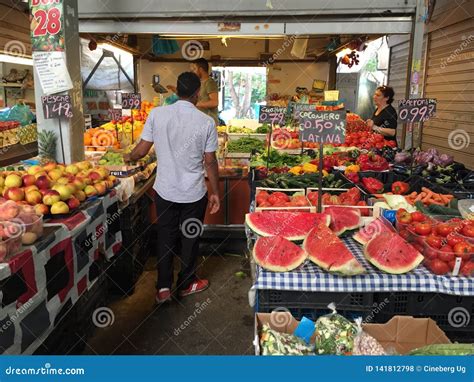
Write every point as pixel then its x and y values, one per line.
pixel 185 142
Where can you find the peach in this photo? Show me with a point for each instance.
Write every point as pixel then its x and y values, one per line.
pixel 50 197
pixel 33 197
pixel 59 208
pixel 72 169
pixel 55 174
pixel 62 180
pixel 41 209
pixel 49 166
pixel 80 195
pixel 90 191
pixel 15 193
pixel 31 188
pixel 94 175
pixel 73 203
pixel 101 188
pixel 13 180
pixel 28 180
pixel 9 210
pixel 43 182
pixel 34 169
pixel 63 190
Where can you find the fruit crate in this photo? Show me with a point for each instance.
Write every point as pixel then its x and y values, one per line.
pixel 453 314
pixel 287 191
pixel 315 304
pixel 386 177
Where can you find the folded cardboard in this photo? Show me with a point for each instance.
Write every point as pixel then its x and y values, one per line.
pixel 401 334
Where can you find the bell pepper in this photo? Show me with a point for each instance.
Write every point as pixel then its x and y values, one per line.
pixel 400 188
pixel 374 186
pixel 310 168
pixel 296 170
pixel 352 168
pixel 353 177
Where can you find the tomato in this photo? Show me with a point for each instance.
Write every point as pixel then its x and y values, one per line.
pixel 418 216
pixel 434 241
pixel 468 230
pixel 464 250
pixel 313 198
pixel 445 256
pixel 444 229
pixel 439 267
pixel 468 269
pixel 299 200
pixel 262 196
pixel 403 216
pixel 430 253
pixel 264 204
pixel 453 239
pixel 423 229
pixel 278 197
pixel 363 211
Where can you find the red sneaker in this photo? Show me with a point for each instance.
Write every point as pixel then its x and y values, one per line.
pixel 163 295
pixel 195 287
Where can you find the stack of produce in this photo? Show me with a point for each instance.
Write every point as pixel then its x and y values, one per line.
pixel 355 124
pixel 19 222
pixel 245 145
pixel 372 162
pixel 285 138
pixel 366 140
pixel 305 180
pixel 55 188
pixel 280 199
pixel 334 335
pixel 276 343
pixel 278 162
pixel 351 197
pixel 100 139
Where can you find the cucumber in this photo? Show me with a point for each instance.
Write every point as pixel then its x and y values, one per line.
pixel 445 349
pixel 421 207
pixel 435 209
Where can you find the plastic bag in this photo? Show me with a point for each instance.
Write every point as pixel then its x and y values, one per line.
pixel 276 343
pixel 21 113
pixel 334 334
pixel 365 344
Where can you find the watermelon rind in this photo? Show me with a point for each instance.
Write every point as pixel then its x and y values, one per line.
pixel 389 241
pixel 375 227
pixel 273 246
pixel 351 267
pixel 343 213
pixel 278 231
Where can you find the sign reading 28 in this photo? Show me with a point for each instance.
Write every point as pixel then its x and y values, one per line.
pixel 49 21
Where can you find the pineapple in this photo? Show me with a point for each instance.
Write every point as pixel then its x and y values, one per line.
pixel 47 145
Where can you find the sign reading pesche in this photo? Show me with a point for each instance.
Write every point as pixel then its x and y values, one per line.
pixel 322 126
pixel 47 34
pixel 56 106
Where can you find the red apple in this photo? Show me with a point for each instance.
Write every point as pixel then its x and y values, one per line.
pixel 43 182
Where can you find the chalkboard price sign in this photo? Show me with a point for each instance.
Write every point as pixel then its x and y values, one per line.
pixel 416 109
pixel 56 106
pixel 131 100
pixel 299 107
pixel 322 126
pixel 115 114
pixel 272 114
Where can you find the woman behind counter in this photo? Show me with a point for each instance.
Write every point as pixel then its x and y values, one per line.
pixel 384 119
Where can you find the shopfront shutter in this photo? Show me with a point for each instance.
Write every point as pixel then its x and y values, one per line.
pixel 450 79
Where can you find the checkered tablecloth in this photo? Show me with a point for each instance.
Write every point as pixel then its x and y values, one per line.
pixel 311 278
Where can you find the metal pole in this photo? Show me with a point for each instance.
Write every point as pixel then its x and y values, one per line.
pixel 320 180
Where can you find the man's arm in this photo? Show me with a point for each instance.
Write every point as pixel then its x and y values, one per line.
pixel 140 150
pixel 211 104
pixel 210 161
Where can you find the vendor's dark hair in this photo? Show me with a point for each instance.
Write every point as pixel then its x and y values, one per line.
pixel 188 84
pixel 202 63
pixel 388 92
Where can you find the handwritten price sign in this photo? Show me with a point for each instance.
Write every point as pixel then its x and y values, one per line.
pixel 417 109
pixel 56 106
pixel 322 126
pixel 115 114
pixel 272 114
pixel 131 100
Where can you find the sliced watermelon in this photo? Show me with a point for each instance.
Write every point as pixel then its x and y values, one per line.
pixel 390 253
pixel 343 219
pixel 326 250
pixel 290 225
pixel 278 254
pixel 375 227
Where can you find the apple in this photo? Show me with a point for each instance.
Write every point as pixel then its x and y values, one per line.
pixel 72 169
pixel 94 175
pixel 28 180
pixel 90 190
pixel 34 169
pixel 62 180
pixel 15 193
pixel 59 208
pixel 73 203
pixel 41 209
pixel 49 166
pixel 50 197
pixel 30 188
pixel 33 197
pixel 101 188
pixel 80 195
pixel 55 174
pixel 64 191
pixel 13 180
pixel 43 182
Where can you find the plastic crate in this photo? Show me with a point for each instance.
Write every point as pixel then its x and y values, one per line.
pixel 439 307
pixel 315 304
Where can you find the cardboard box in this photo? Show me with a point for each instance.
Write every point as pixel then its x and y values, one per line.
pixel 402 333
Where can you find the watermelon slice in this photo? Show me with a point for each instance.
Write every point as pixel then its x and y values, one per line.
pixel 375 227
pixel 278 254
pixel 290 225
pixel 343 219
pixel 390 253
pixel 325 249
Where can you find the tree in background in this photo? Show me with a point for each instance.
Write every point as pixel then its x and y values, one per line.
pixel 245 90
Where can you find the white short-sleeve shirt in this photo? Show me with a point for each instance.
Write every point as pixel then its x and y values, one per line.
pixel 181 135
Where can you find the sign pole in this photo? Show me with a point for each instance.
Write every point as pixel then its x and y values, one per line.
pixel 320 179
pixel 61 138
pixel 269 144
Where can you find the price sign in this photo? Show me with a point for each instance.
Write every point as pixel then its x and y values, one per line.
pixel 131 100
pixel 298 107
pixel 416 109
pixel 56 106
pixel 115 114
pixel 322 126
pixel 272 114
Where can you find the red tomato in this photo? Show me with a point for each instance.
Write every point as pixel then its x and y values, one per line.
pixel 278 197
pixel 430 253
pixel 264 204
pixel 447 248
pixel 464 250
pixel 403 216
pixel 418 216
pixel 444 229
pixel 439 267
pixel 445 256
pixel 434 241
pixel 468 230
pixel 423 229
pixel 363 211
pixel 313 198
pixel 262 196
pixel 454 238
pixel 468 269
pixel 299 200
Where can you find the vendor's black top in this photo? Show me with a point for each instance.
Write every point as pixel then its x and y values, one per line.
pixel 387 119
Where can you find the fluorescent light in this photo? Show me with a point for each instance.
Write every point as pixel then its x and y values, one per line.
pixel 16 59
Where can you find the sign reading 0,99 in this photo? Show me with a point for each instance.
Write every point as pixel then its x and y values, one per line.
pixel 322 126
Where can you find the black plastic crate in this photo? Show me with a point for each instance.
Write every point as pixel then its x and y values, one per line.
pixel 453 314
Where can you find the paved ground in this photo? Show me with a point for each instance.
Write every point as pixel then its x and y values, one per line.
pixel 217 321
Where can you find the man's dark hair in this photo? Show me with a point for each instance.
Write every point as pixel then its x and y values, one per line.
pixel 388 92
pixel 202 63
pixel 188 84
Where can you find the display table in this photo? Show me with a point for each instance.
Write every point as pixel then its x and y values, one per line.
pixel 43 282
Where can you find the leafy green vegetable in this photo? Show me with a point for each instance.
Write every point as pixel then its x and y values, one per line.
pixel 245 145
